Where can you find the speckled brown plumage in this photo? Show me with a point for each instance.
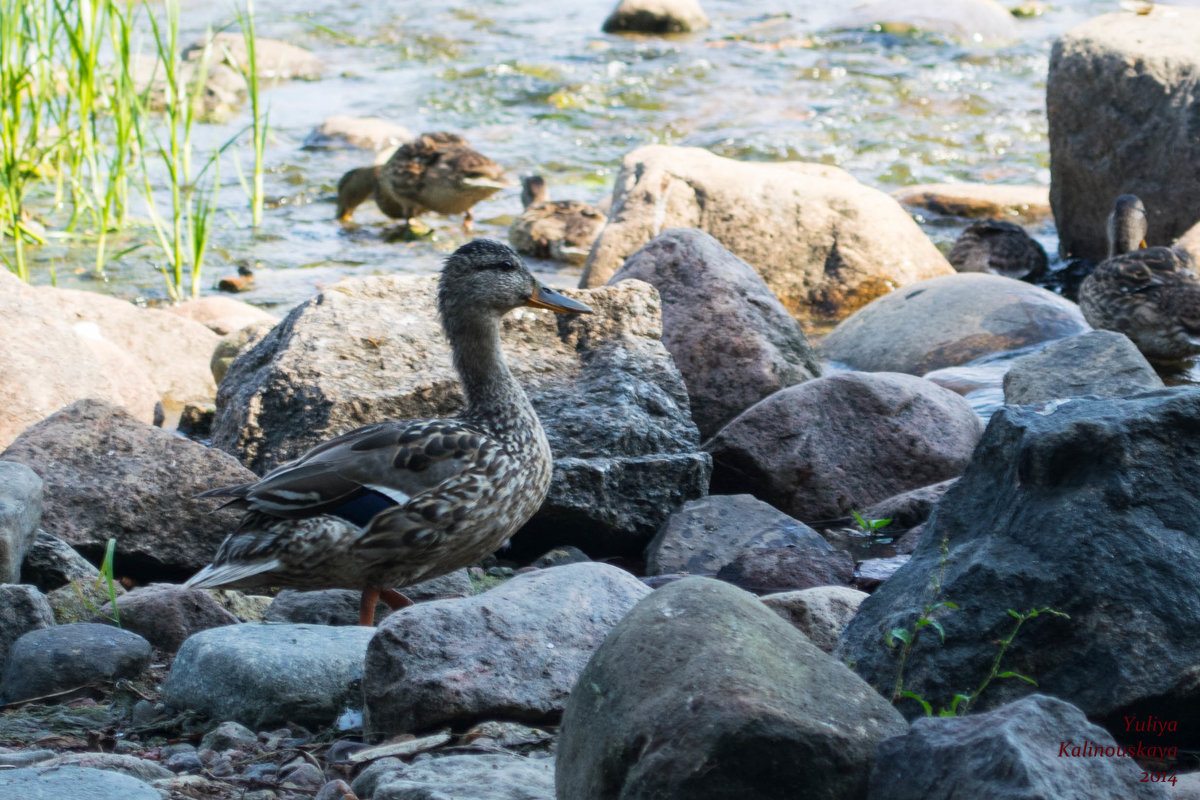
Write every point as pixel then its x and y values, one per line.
pixel 999 247
pixel 563 230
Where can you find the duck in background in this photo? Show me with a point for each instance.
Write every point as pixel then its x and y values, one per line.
pixel 562 230
pixel 998 247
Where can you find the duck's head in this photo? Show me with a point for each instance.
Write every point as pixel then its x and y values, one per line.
pixel 1127 225
pixel 533 190
pixel 487 279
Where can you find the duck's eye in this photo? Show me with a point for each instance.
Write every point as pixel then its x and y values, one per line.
pixel 507 266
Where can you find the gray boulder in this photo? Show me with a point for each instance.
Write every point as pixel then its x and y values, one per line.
pixel 842 442
pixel 513 652
pixel 1103 363
pixel 1014 753
pixel 166 614
pixel 943 322
pixel 487 776
pixel 264 676
pixel 52 563
pixel 824 243
pixel 1087 507
pixel 75 656
pixel 1122 105
pixel 702 692
pixel 731 338
pixel 109 475
pixel 20 513
pixel 706 534
pixel 656 16
pixel 613 404
pixel 77 783
pixel 22 609
pixel 820 613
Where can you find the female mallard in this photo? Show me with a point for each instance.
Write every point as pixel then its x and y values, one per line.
pixel 399 502
pixel 434 172
pixel 998 247
pixel 560 229
pixel 1151 295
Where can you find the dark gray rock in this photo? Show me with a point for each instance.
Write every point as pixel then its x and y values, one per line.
pixel 820 613
pixel 656 16
pixel 1087 507
pixel 20 513
pixel 729 335
pixel 844 441
pixel 1101 363
pixel 77 783
pixel 613 404
pixel 62 657
pixel 709 533
pixel 109 475
pixel 229 736
pixel 1012 753
pixel 267 675
pixel 166 614
pixel 1122 105
pixel 770 570
pixel 487 776
pixel 513 652
pixel 907 509
pixel 22 609
pixel 51 563
pixel 703 692
pixel 341 606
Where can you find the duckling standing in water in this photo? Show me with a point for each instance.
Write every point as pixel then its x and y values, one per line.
pixel 1151 295
pixel 434 172
pixel 563 230
pixel 998 247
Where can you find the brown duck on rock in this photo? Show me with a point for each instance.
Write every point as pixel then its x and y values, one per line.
pixel 562 230
pixel 1151 295
pixel 434 172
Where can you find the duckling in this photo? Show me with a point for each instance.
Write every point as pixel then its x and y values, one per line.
pixel 1151 295
pixel 398 502
pixel 999 247
pixel 563 230
pixel 434 172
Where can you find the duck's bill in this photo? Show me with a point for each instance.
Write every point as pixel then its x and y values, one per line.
pixel 545 297
pixel 486 183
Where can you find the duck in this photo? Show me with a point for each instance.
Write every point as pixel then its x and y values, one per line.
pixel 434 172
pixel 562 230
pixel 998 247
pixel 1150 294
pixel 403 501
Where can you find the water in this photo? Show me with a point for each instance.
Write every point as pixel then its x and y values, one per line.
pixel 538 87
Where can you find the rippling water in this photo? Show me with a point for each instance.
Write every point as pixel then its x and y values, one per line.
pixel 537 86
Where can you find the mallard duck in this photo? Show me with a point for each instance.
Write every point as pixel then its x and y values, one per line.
pixel 1002 248
pixel 399 502
pixel 563 230
pixel 1151 295
pixel 434 172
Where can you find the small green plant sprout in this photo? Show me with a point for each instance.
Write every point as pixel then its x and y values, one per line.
pixel 869 526
pixel 106 575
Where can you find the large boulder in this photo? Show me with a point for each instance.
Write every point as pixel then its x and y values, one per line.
pixel 824 243
pixel 1103 363
pixel 80 783
pixel 731 338
pixel 613 404
pixel 1085 507
pixel 703 692
pixel 843 442
pixel 943 322
pixel 1123 106
pixel 656 16
pixel 107 475
pixel 20 513
pixel 468 660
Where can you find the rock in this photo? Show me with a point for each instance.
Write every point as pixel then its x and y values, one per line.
pixel 732 340
pixel 872 572
pixel 223 90
pixel 1099 494
pixel 52 563
pixel 276 60
pixel 489 776
pixel 843 442
pixel 229 736
pixel 1009 753
pixel 134 767
pixel 560 556
pixel 908 509
pixel 268 675
pixel 78 600
pixel 457 661
pixel 20 513
pixel 77 783
pixel 234 344
pixel 1024 204
pixel 195 422
pixel 770 570
pixel 706 534
pixel 824 243
pixel 64 657
pixel 968 20
pixel 166 614
pixel 1190 241
pixel 108 475
pixel 614 407
pixel 951 320
pixel 1122 108
pixel 361 133
pixel 820 613
pixel 1103 363
pixel 246 607
pixel 22 609
pixel 702 692
pixel 656 16
pixel 340 606
pixel 222 315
